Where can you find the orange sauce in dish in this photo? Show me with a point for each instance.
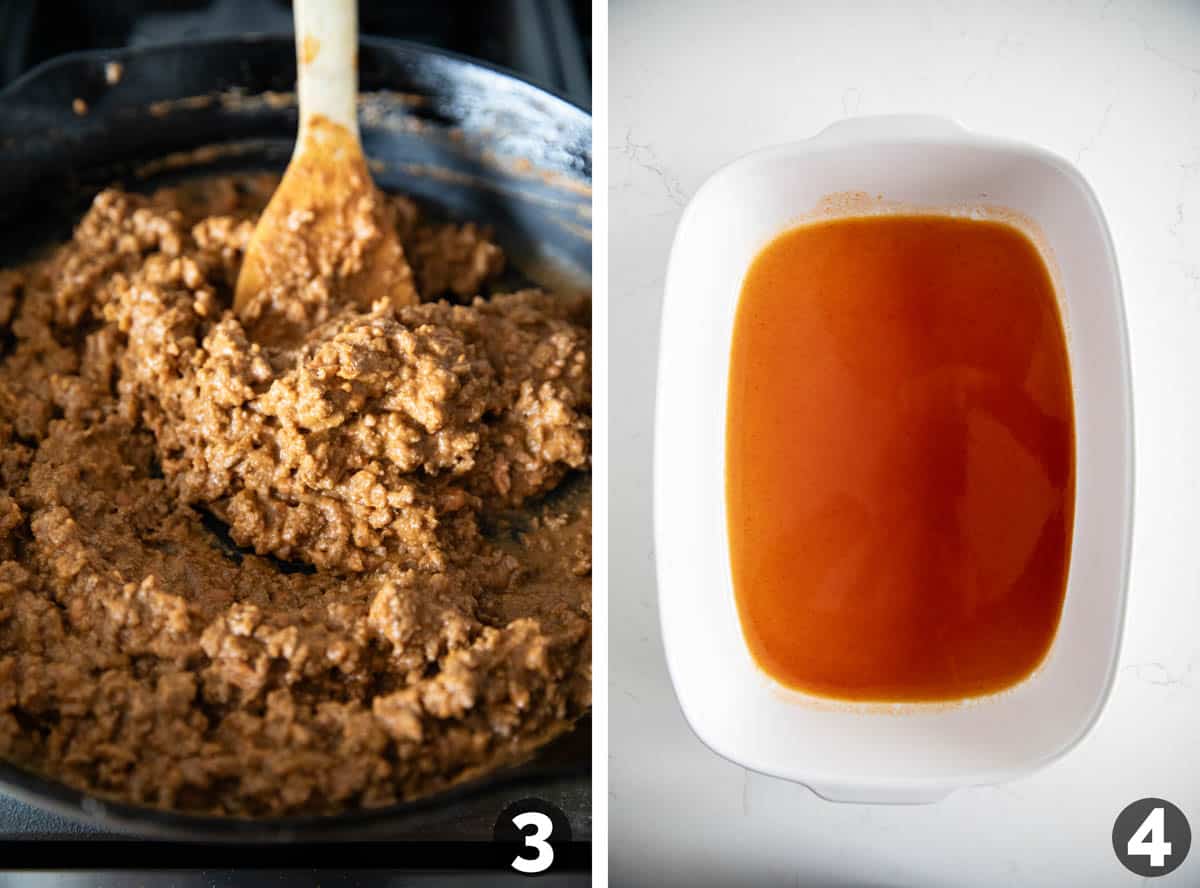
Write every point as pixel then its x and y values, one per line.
pixel 900 458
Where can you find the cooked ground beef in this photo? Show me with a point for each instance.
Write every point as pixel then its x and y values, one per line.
pixel 255 577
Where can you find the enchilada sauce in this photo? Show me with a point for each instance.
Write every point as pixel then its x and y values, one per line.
pixel 899 458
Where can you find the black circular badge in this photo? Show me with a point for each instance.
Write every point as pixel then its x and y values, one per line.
pixel 533 827
pixel 1151 837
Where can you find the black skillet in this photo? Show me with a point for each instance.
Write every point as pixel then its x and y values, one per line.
pixel 467 140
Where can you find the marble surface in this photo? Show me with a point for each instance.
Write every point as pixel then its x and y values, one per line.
pixel 1115 87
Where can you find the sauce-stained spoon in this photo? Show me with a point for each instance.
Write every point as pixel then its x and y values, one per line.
pixel 327 237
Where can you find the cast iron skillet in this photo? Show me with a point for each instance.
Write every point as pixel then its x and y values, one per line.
pixel 467 140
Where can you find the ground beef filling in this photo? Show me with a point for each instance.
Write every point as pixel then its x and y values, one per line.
pixel 250 578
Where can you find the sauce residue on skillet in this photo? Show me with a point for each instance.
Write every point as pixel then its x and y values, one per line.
pixel 900 475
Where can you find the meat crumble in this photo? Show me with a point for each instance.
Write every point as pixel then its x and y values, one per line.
pixel 252 576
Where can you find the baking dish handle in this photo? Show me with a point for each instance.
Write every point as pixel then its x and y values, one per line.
pixel 878 794
pixel 898 127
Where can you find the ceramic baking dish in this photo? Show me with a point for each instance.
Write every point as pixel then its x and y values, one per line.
pixel 879 752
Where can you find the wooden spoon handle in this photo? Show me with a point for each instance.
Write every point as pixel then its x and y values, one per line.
pixel 327 62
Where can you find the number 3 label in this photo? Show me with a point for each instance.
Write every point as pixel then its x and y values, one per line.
pixel 1151 837
pixel 528 826
pixel 543 828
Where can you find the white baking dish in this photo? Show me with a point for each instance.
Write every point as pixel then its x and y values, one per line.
pixel 884 753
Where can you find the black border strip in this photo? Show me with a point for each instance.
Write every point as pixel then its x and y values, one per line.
pixel 105 854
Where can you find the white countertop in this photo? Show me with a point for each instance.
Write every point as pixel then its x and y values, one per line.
pixel 1113 86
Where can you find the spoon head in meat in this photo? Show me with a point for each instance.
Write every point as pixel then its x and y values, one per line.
pixel 326 240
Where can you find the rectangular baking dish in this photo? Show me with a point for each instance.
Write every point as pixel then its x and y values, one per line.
pixel 884 752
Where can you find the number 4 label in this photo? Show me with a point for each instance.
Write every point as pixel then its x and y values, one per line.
pixel 1150 840
pixel 1151 837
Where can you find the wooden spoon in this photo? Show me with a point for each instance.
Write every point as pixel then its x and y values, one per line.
pixel 327 238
